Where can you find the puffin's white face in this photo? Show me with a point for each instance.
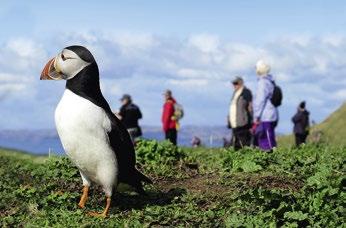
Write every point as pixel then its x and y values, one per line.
pixel 65 65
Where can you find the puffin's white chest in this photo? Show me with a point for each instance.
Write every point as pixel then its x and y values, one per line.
pixel 82 128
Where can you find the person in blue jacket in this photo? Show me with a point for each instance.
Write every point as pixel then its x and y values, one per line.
pixel 265 113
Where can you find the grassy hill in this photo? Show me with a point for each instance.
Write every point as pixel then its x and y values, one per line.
pixel 331 131
pixel 192 188
pixel 334 127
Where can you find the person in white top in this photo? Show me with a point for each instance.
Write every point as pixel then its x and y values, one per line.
pixel 240 114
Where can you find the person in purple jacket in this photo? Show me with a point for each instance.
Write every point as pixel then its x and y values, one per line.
pixel 265 113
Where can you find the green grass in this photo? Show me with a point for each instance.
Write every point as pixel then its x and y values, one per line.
pixel 192 188
pixel 334 127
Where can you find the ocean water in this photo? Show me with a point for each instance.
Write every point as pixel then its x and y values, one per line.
pixel 47 141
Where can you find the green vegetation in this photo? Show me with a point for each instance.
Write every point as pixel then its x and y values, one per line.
pixel 334 127
pixel 331 130
pixel 193 187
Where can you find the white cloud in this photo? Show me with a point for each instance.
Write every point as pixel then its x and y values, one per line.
pixel 111 87
pixel 189 73
pixel 20 66
pixel 334 39
pixel 242 57
pixel 24 48
pixel 10 88
pixel 341 95
pixel 205 42
pixel 134 41
pixel 198 67
pixel 189 83
pixel 4 77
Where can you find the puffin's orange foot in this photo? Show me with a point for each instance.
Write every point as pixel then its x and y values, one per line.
pixel 105 212
pixel 81 205
pixel 96 214
pixel 84 197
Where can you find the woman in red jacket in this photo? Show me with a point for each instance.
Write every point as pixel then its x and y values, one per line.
pixel 168 120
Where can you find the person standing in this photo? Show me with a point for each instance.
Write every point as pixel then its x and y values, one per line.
pixel 240 114
pixel 169 122
pixel 301 124
pixel 265 112
pixel 129 115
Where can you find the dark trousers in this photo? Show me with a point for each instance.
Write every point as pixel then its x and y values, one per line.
pixel 300 139
pixel 241 137
pixel 171 135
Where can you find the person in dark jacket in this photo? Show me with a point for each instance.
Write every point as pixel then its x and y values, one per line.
pixel 169 122
pixel 129 115
pixel 240 114
pixel 196 142
pixel 301 124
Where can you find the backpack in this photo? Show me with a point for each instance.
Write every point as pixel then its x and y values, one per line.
pixel 277 96
pixel 178 111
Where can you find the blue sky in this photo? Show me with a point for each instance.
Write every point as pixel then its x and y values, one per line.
pixel 192 47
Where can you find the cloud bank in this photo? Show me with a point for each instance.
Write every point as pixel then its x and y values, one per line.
pixel 198 70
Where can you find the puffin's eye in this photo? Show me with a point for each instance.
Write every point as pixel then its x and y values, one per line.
pixel 63 57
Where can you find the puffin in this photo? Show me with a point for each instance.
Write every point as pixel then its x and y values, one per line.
pixel 92 136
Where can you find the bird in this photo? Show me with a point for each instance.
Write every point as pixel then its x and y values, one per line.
pixel 92 136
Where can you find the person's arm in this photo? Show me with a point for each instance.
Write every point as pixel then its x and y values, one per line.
pixel 261 100
pixel 117 115
pixel 297 117
pixel 228 123
pixel 139 113
pixel 121 113
pixel 248 98
pixel 140 116
pixel 250 108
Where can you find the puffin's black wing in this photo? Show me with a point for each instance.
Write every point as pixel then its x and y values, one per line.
pixel 122 145
pixel 87 86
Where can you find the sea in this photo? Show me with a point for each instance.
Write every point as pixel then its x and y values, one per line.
pixel 46 141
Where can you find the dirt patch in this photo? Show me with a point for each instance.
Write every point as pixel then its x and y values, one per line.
pixel 265 181
pixel 198 184
pixel 213 184
pixel 275 182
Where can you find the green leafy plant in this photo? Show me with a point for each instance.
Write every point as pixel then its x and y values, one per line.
pixel 299 187
pixel 161 158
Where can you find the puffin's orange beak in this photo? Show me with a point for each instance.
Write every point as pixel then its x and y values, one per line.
pixel 46 69
pixel 49 72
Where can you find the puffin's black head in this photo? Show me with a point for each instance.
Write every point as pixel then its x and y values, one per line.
pixel 69 63
pixel 82 52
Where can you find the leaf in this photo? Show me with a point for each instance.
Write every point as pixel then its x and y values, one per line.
pixel 296 215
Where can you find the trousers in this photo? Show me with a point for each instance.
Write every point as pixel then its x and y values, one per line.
pixel 171 135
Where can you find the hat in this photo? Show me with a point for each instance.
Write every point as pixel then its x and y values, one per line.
pixel 125 97
pixel 237 80
pixel 302 105
pixel 168 92
pixel 262 68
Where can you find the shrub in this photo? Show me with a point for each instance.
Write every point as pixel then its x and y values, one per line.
pixel 160 158
pixel 152 151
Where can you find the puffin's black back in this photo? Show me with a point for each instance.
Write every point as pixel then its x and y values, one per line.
pixel 87 85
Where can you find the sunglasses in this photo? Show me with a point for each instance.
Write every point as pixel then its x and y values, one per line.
pixel 235 83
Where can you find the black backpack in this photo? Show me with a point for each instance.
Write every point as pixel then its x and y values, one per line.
pixel 277 96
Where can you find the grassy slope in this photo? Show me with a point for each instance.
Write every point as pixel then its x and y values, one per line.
pixel 333 129
pixel 21 156
pixel 296 187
